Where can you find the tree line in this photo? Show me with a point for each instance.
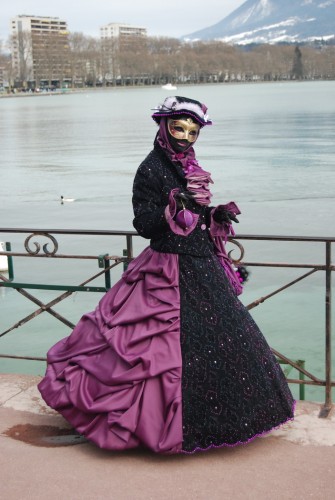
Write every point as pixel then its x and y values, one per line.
pixel 87 61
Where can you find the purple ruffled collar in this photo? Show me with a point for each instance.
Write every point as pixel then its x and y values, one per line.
pixel 198 180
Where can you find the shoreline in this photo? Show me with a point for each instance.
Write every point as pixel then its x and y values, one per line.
pixel 70 91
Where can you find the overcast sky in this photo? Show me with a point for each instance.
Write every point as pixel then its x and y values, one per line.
pixel 173 18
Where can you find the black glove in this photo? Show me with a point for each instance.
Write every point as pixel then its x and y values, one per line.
pixel 222 215
pixel 242 274
pixel 183 198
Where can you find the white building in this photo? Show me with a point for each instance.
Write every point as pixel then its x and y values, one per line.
pixel 121 31
pixel 114 38
pixel 39 49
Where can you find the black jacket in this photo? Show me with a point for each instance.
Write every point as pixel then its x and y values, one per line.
pixel 155 178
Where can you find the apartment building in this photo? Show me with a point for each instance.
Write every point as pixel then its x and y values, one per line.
pixel 121 32
pixel 116 38
pixel 40 50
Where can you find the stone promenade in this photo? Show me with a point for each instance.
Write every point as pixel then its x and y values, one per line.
pixel 42 459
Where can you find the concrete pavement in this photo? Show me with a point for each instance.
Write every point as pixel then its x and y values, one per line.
pixel 41 458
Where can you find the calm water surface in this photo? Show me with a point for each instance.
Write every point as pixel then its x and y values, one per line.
pixel 271 149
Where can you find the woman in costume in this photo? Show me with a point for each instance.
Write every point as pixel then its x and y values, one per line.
pixel 170 359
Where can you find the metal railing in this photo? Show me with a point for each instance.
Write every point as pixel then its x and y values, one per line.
pixel 108 262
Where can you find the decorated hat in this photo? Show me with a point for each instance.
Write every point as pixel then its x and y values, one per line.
pixel 176 105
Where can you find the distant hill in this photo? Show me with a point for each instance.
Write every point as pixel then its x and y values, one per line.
pixel 273 21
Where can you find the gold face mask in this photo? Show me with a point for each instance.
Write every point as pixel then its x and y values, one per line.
pixel 184 129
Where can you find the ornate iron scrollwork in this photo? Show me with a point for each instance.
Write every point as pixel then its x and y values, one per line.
pixel 241 248
pixel 38 246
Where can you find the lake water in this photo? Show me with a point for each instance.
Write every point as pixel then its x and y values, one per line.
pixel 271 150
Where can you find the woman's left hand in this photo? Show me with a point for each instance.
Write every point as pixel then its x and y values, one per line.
pixel 222 215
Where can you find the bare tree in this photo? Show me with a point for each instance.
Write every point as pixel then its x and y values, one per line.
pixel 328 56
pixel 85 59
pixel 22 58
pixel 110 65
pixel 93 65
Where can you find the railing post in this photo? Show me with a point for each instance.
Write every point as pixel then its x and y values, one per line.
pixel 10 262
pixel 328 340
pixel 107 273
pixel 129 246
pixel 302 377
pixel 129 251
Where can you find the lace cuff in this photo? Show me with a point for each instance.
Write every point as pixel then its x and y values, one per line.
pixel 224 229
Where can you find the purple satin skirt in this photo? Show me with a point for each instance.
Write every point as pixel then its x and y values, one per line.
pixel 117 377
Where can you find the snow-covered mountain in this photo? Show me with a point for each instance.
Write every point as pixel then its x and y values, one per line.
pixel 273 21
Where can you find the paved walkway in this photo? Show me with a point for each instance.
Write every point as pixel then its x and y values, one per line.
pixel 41 458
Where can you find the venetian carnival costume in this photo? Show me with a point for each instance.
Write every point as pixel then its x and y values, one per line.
pixel 171 360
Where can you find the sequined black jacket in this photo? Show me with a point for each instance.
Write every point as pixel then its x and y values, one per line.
pixel 155 178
